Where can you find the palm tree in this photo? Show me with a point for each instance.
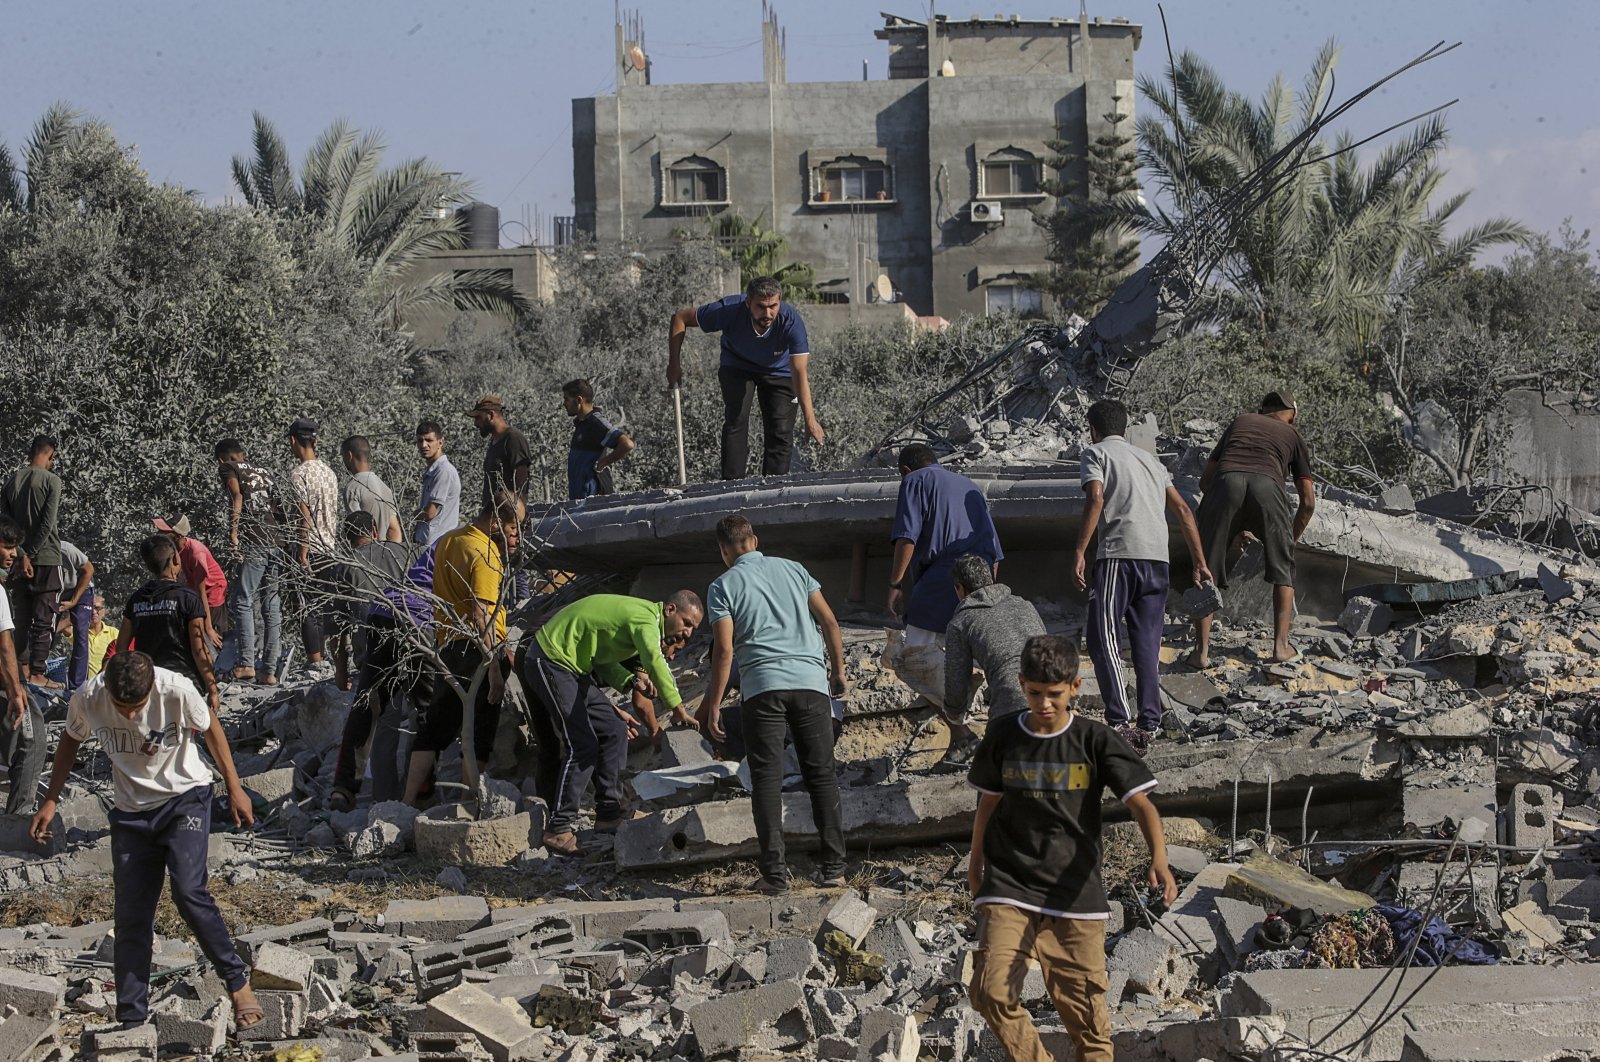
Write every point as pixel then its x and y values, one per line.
pixel 386 218
pixel 1346 240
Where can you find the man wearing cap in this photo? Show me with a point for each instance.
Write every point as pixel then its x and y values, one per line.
pixel 765 355
pixel 315 517
pixel 506 459
pixel 202 574
pixel 1243 484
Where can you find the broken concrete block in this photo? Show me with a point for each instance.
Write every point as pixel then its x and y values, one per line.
pixel 274 786
pixel 1554 586
pixel 280 969
pixel 285 1016
pixel 1152 962
pixel 306 931
pixel 686 748
pixel 1542 930
pixel 449 834
pixel 179 1030
pixel 1365 618
pixel 1531 820
pixel 659 930
pixel 20 1034
pixel 1200 601
pixel 895 941
pixel 888 1036
pixel 1238 930
pixel 790 959
pixel 500 1027
pixel 116 1044
pixel 1186 861
pixel 441 918
pixel 1267 882
pixel 1190 689
pixel 435 968
pixel 1475 1043
pixel 375 841
pixel 1464 721
pixel 31 994
pixel 852 917
pixel 1397 500
pixel 764 1018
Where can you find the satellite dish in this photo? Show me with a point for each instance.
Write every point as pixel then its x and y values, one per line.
pixel 636 57
pixel 947 69
pixel 884 289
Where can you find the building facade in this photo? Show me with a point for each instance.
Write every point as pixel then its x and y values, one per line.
pixel 930 178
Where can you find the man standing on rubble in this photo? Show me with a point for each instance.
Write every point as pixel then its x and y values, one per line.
pixel 582 735
pixel 988 631
pixel 22 732
pixel 469 571
pixel 145 719
pixel 1243 485
pixel 939 516
pixel 1126 490
pixel 439 509
pixel 316 500
pixel 365 491
pixel 765 612
pixel 507 458
pixel 32 497
pixel 765 355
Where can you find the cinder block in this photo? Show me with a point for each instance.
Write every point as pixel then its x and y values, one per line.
pixel 1532 821
pixel 280 969
pixel 851 916
pixel 764 1018
pixel 285 1016
pixel 609 919
pixel 895 942
pixel 30 993
pixel 1153 964
pixel 1365 618
pixel 888 1034
pixel 676 929
pixel 435 968
pixel 307 931
pixel 500 1027
pixel 180 1031
pixel 685 748
pixel 439 919
pixel 745 914
pixel 790 959
pixel 116 1044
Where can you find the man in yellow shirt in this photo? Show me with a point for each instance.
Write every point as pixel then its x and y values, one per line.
pixel 102 636
pixel 469 580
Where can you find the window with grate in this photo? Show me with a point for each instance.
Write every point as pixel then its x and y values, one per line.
pixel 854 179
pixel 1014 299
pixel 1010 172
pixel 696 180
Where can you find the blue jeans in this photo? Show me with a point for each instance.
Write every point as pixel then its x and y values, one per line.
pixel 259 579
pixel 82 616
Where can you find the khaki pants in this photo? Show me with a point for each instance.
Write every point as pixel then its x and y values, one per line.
pixel 1072 954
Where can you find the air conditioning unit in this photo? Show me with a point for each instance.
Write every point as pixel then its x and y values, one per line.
pixel 986 212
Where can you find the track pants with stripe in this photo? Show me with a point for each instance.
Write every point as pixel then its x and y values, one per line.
pixel 1131 593
pixel 590 741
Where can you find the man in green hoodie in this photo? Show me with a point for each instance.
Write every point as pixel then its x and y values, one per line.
pixel 582 735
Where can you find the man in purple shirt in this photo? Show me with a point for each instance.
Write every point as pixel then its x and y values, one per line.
pixel 765 354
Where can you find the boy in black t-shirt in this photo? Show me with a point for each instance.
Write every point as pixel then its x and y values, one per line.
pixel 1035 867
pixel 165 620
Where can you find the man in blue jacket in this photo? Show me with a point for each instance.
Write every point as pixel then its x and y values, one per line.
pixel 765 354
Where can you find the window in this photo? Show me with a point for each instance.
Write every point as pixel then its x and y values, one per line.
pixel 852 179
pixel 1014 299
pixel 695 180
pixel 1011 172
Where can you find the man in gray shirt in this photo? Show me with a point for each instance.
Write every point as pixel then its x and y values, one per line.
pixel 1127 489
pixel 988 631
pixel 439 510
pixel 365 492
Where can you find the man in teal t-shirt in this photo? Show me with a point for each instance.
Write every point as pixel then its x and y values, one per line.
pixel 765 612
pixel 582 735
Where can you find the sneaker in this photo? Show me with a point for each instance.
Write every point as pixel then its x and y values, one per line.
pixel 835 880
pixel 342 800
pixel 961 751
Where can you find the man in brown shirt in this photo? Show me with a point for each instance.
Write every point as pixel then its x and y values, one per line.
pixel 1243 491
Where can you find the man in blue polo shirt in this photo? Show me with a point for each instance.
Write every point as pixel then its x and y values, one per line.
pixel 764 354
pixel 765 613
pixel 939 516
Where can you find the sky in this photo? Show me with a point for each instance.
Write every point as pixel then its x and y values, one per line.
pixel 484 87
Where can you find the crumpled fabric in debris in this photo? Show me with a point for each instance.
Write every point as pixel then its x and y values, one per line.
pixel 1438 944
pixel 1359 940
pixel 1282 959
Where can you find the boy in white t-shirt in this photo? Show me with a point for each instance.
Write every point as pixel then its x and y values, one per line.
pixel 146 719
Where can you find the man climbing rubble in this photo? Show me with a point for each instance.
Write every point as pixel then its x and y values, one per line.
pixel 581 734
pixel 1243 484
pixel 939 516
pixel 988 631
pixel 1126 490
pixel 145 719
pixel 765 612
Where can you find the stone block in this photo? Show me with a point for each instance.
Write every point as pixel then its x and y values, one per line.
pixel 31 994
pixel 502 1028
pixel 894 940
pixel 285 1016
pixel 115 1044
pixel 1265 881
pixel 790 959
pixel 440 918
pixel 1191 690
pixel 305 932
pixel 602 919
pixel 1531 820
pixel 1555 587
pixel 744 914
pixel 1365 618
pixel 20 1034
pixel 1397 500
pixel 1238 930
pixel 1153 963
pixel 659 930
pixel 1199 601
pixel 765 1018
pixel 1541 930
pixel 1186 861
pixel 179 1030
pixel 449 834
pixel 685 748
pixel 851 916
pixel 889 1036
pixel 276 968
pixel 375 841
pixel 274 786
pixel 435 968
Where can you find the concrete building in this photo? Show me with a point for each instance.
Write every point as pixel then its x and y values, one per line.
pixel 530 270
pixel 930 177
